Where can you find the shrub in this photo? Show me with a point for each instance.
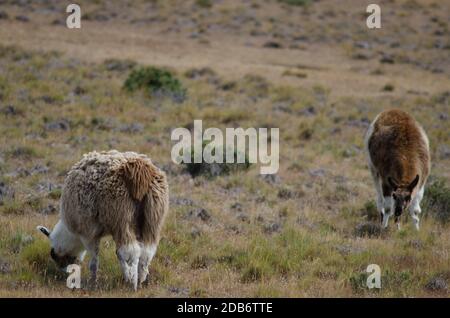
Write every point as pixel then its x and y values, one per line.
pixel 156 82
pixel 388 88
pixel 204 3
pixel 370 211
pixel 296 2
pixel 437 200
pixel 215 169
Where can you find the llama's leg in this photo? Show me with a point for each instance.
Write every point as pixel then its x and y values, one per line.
pixel 415 209
pixel 128 256
pixel 383 202
pixel 388 204
pixel 93 248
pixel 380 198
pixel 415 218
pixel 380 207
pixel 147 253
pixel 81 256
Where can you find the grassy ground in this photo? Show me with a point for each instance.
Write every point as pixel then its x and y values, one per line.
pixel 311 230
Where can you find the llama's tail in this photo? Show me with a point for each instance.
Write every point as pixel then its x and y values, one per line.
pixel 148 187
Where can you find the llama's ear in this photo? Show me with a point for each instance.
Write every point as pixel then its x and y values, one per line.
pixel 413 184
pixel 44 230
pixel 392 183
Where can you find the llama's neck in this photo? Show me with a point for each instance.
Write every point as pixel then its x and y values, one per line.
pixel 65 242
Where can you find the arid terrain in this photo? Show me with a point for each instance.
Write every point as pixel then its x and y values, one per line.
pixel 310 68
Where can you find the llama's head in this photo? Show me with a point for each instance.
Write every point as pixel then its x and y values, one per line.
pixel 401 195
pixel 66 249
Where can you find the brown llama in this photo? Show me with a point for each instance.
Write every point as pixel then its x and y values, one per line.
pixel 399 161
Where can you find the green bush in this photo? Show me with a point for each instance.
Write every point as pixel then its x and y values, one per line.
pixel 296 2
pixel 370 211
pixel 215 169
pixel 437 200
pixel 204 3
pixel 156 82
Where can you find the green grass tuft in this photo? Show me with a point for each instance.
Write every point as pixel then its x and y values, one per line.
pixel 296 2
pixel 155 82
pixel 36 257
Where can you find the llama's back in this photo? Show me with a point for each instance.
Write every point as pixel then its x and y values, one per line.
pixel 105 193
pixel 398 146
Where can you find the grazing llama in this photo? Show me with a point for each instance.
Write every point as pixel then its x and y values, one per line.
pixel 399 160
pixel 111 193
